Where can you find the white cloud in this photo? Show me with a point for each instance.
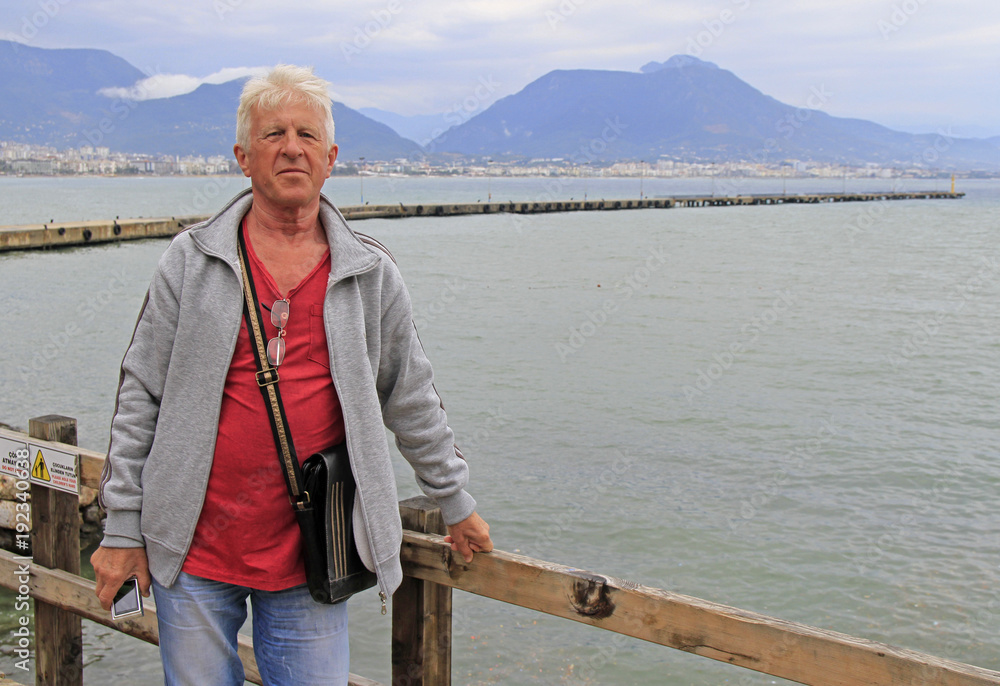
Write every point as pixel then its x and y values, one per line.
pixel 168 85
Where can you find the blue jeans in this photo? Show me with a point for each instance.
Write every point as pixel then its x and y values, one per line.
pixel 295 639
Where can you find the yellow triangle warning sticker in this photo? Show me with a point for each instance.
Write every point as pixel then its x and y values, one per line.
pixel 39 470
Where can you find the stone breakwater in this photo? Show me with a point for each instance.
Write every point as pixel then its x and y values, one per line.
pixel 66 234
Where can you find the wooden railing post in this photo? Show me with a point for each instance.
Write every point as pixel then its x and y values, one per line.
pixel 55 543
pixel 421 612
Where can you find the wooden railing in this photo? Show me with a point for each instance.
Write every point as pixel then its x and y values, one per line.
pixel 421 622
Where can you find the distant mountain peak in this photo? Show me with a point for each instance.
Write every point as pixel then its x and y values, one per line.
pixel 685 109
pixel 677 62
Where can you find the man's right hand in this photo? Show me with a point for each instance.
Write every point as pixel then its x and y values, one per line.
pixel 112 566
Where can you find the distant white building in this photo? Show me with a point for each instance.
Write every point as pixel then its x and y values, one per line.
pixel 34 166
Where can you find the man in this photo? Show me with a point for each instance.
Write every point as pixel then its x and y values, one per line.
pixel 197 506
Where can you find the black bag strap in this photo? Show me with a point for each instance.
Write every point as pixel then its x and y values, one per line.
pixel 267 380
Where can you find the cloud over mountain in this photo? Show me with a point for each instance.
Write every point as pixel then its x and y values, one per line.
pixel 158 86
pixel 69 98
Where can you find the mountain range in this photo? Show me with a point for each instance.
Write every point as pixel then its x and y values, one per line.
pixel 684 109
pixel 53 97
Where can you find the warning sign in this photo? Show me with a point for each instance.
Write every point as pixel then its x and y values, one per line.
pixel 39 471
pixel 53 468
pixel 14 458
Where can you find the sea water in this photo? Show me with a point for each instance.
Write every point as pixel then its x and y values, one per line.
pixel 787 409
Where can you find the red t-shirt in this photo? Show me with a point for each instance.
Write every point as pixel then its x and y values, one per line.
pixel 247 534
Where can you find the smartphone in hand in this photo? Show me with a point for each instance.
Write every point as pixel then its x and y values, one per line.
pixel 128 600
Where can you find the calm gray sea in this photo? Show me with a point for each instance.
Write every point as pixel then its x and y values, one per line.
pixel 787 409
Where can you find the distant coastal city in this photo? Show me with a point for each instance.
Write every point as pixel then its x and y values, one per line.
pixel 22 159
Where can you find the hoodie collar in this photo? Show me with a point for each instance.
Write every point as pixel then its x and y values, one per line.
pixel 349 256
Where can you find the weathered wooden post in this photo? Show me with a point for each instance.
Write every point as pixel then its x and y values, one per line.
pixel 55 543
pixel 421 612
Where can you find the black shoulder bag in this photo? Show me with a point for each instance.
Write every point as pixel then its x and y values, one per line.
pixel 321 491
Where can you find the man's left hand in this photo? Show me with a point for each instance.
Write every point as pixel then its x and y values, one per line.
pixel 469 536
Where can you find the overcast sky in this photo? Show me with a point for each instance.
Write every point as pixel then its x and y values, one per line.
pixel 918 65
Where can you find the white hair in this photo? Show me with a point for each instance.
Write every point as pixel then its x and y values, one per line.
pixel 284 84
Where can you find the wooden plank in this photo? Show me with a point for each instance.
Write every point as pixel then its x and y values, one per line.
pixel 421 612
pixel 76 594
pixel 747 639
pixel 91 465
pixel 55 543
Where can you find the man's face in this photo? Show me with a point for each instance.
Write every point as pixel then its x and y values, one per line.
pixel 289 157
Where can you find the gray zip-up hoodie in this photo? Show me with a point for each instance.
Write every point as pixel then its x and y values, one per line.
pixel 170 392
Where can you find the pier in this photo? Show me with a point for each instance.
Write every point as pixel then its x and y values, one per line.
pixel 66 234
pixel 422 607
